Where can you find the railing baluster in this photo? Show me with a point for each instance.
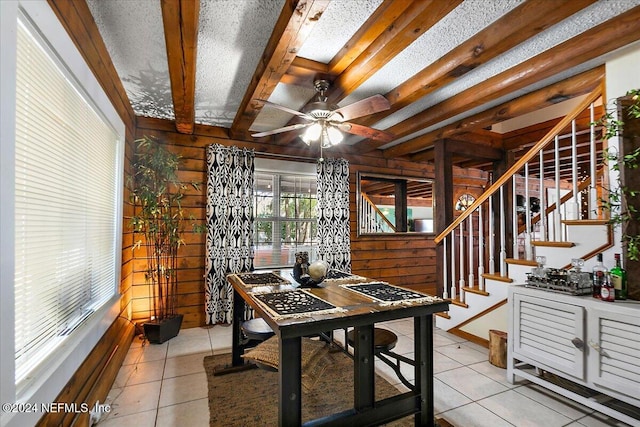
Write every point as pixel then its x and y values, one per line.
pixel 543 201
pixel 471 281
pixel 480 249
pixel 527 214
pixel 556 232
pixel 453 265
pixel 445 286
pixel 574 170
pixel 593 194
pixel 461 263
pixel 514 219
pixel 492 239
pixel 503 236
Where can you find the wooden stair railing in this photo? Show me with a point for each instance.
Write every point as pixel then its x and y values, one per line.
pixel 454 241
pixel 502 180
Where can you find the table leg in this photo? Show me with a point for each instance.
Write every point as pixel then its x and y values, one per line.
pixel 238 318
pixel 290 375
pixel 363 385
pixel 423 334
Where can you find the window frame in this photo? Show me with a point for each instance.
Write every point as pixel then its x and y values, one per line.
pixel 293 170
pixel 44 384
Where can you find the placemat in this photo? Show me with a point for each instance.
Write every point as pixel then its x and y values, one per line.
pixel 262 279
pixel 389 294
pixel 294 303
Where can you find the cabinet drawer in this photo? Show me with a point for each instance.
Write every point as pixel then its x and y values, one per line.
pixel 614 351
pixel 543 334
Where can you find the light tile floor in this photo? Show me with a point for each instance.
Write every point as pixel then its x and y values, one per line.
pixel 165 385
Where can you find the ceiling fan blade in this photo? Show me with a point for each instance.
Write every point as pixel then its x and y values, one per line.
pixel 281 130
pixel 373 104
pixel 366 131
pixel 285 109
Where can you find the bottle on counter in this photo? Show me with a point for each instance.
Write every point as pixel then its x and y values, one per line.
pixel 618 277
pixel 599 275
pixel 607 292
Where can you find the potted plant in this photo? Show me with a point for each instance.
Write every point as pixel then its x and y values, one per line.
pixel 156 194
pixel 623 202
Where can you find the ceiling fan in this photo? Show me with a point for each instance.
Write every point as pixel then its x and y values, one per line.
pixel 326 122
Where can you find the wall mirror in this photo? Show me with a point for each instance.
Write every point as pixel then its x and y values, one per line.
pixel 394 204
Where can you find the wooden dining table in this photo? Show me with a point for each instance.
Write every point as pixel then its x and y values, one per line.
pixel 341 306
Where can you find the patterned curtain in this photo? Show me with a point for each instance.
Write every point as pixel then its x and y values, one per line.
pixel 229 211
pixel 334 241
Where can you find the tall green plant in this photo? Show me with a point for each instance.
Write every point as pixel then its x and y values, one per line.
pixel 156 194
pixel 623 212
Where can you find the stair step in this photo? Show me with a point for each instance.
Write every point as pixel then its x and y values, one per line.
pixel 585 221
pixel 526 262
pixel 475 291
pixel 497 277
pixel 550 244
pixel 456 301
pixel 443 314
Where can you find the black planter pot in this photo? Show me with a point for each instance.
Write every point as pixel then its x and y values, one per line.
pixel 159 332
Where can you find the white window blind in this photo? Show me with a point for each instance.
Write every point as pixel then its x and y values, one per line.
pixel 66 167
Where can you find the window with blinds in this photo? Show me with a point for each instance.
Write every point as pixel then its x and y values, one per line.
pixel 66 204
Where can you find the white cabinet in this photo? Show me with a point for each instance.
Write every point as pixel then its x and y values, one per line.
pixel 580 347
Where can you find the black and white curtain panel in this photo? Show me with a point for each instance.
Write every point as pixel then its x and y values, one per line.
pixel 229 211
pixel 334 241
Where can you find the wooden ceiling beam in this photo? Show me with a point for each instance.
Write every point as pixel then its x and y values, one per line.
pixel 414 21
pixel 523 22
pixel 393 26
pixel 180 20
pixel 291 30
pixel 379 21
pixel 572 87
pixel 606 37
pixel 471 150
pixel 303 72
pixel 480 136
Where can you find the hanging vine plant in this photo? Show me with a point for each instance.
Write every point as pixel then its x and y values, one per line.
pixel 622 201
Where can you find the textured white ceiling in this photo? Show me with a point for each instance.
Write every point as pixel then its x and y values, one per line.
pixel 233 35
pixel 134 36
pixel 231 39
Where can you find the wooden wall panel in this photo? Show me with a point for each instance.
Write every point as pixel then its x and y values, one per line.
pixel 403 259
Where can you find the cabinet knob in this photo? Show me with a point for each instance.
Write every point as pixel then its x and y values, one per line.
pixel 578 343
pixel 597 348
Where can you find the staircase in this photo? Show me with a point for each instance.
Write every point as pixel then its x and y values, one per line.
pixel 545 208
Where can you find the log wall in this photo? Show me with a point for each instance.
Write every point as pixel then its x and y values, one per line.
pixel 403 259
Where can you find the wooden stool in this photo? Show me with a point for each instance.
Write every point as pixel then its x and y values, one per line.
pixel 383 339
pixel 383 342
pixel 256 329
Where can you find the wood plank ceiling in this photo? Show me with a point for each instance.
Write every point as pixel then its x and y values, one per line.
pixel 450 69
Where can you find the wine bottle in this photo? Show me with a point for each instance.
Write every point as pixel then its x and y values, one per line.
pixel 599 275
pixel 607 293
pixel 619 279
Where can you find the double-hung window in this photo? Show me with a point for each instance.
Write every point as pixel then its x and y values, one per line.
pixel 285 216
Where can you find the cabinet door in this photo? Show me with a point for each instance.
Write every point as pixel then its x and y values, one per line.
pixel 543 334
pixel 614 350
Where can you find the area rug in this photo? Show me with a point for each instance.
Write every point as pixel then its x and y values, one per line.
pixel 250 398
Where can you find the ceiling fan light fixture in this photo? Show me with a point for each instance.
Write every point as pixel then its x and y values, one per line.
pixel 334 134
pixel 312 133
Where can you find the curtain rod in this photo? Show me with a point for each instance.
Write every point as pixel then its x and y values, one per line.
pixel 286 156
